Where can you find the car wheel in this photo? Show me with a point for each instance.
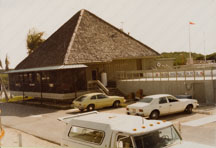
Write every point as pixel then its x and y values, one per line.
pixel 189 109
pixel 154 114
pixel 116 104
pixel 91 107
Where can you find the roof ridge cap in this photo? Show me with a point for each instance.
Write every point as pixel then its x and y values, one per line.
pixel 74 34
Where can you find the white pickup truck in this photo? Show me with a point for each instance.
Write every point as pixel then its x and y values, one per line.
pixel 108 130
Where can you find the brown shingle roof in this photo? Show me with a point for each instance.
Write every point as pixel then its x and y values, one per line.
pixel 85 38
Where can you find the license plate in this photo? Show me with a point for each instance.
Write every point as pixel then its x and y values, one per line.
pixel 134 110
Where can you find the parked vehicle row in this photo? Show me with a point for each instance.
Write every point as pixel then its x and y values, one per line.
pixel 94 129
pixel 150 106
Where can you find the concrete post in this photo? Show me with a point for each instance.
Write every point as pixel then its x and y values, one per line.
pixel 179 127
pixel 20 139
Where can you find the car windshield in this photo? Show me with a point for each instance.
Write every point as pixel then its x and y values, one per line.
pixel 145 100
pixel 157 139
pixel 81 98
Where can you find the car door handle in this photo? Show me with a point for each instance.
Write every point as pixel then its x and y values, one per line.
pixel 170 105
pixel 160 106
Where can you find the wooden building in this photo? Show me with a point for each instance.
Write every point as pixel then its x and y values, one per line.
pixel 79 51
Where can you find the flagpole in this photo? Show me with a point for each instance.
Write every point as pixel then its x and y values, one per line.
pixel 190 57
pixel 189 44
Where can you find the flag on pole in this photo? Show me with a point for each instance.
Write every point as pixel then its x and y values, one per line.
pixel 191 23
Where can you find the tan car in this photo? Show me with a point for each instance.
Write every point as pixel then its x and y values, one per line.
pixel 93 101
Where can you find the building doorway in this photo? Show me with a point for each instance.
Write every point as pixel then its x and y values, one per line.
pixel 94 74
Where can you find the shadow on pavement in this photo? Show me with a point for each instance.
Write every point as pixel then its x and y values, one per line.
pixel 76 111
pixel 176 116
pixel 22 110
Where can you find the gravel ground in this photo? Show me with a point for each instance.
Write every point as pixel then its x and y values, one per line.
pixel 11 139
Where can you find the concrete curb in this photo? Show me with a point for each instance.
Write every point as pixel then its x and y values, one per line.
pixel 203 112
pixel 39 137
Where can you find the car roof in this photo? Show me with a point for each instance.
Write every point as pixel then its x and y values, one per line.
pixel 119 122
pixel 157 96
pixel 91 94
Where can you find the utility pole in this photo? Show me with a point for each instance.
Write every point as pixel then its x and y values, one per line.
pixel 204 46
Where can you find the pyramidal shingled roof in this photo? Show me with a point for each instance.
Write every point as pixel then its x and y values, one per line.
pixel 85 38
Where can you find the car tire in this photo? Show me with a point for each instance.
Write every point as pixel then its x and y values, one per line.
pixel 189 109
pixel 116 104
pixel 90 107
pixel 154 114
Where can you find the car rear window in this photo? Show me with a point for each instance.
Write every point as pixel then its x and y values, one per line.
pixel 86 134
pixel 82 98
pixel 146 100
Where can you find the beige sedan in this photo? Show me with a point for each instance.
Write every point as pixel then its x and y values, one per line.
pixel 93 101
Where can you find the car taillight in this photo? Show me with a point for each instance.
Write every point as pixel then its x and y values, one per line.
pixel 127 108
pixel 140 110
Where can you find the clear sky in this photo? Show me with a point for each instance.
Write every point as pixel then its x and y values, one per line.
pixel 161 24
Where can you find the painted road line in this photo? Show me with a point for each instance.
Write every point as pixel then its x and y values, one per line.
pixel 201 121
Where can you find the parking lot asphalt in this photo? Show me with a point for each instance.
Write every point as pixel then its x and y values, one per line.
pixel 16 138
pixel 43 123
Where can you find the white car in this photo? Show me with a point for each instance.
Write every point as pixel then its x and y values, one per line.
pixel 162 104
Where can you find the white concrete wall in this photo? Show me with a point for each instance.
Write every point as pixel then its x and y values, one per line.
pixel 171 87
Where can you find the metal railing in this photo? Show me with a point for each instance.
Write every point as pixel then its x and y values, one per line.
pixel 208 73
pixel 97 84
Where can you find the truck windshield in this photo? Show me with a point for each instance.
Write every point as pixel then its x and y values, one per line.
pixel 165 137
pixel 81 98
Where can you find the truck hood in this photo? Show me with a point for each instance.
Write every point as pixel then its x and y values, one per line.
pixel 186 144
pixel 138 105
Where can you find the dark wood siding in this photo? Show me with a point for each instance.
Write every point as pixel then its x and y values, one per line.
pixel 59 81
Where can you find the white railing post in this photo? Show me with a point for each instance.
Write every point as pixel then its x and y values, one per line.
pixel 194 74
pixel 168 75
pixel 160 75
pixel 204 74
pixel 152 75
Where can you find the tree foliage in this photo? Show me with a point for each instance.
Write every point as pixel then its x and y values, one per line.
pixel 181 57
pixel 211 56
pixel 7 63
pixel 1 64
pixel 34 40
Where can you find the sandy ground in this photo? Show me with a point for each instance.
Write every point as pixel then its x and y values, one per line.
pixel 11 139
